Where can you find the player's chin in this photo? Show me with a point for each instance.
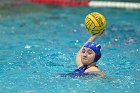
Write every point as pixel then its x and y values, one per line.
pixel 84 60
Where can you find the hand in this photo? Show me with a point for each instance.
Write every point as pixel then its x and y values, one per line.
pixel 100 33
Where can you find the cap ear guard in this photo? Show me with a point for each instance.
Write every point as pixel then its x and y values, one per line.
pixel 97 57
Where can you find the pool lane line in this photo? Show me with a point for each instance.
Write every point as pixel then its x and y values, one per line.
pixel 111 4
pixel 61 2
pixel 129 5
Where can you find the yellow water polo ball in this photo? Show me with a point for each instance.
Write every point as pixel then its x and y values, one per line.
pixel 95 22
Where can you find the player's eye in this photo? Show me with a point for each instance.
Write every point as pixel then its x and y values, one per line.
pixel 89 52
pixel 83 51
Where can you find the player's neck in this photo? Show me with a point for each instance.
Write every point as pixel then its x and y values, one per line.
pixel 91 64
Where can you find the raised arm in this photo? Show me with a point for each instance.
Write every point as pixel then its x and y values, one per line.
pixel 78 56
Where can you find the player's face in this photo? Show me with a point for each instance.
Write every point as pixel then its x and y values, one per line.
pixel 87 56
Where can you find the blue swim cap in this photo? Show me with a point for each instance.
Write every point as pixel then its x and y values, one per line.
pixel 96 48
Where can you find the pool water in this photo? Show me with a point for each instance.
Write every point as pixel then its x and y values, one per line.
pixel 36 46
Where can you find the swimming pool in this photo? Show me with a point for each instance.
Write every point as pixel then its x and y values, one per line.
pixel 38 44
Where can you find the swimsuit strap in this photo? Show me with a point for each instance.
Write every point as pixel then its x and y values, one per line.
pixel 81 69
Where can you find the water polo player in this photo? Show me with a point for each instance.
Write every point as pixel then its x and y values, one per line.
pixel 88 56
